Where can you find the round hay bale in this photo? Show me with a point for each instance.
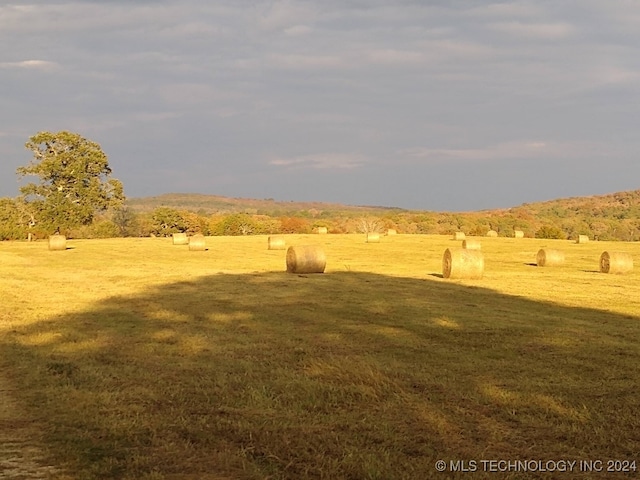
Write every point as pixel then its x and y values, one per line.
pixel 582 239
pixel 391 231
pixel 461 263
pixel 322 230
pixel 518 234
pixel 180 239
pixel 197 243
pixel 492 233
pixel 459 236
pixel 471 244
pixel 57 242
pixel 373 237
pixel 276 243
pixel 306 259
pixel 616 262
pixel 549 257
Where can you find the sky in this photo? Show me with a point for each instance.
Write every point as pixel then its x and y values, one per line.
pixel 446 105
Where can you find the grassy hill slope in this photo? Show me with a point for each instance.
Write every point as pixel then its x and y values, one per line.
pixel 208 204
pixel 618 205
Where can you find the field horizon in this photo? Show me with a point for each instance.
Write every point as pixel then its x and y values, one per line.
pixel 136 358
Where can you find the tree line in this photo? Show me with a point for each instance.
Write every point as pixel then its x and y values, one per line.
pixel 76 195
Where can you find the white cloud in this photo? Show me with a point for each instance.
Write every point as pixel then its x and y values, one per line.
pixel 31 64
pixel 297 30
pixel 512 9
pixel 189 94
pixel 503 151
pixel 198 29
pixel 321 161
pixel 623 15
pixel 540 31
pixel 147 20
pixel 459 49
pixel 611 75
pixel 391 56
pixel 296 61
pixel 284 14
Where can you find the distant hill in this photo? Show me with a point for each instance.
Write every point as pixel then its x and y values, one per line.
pixel 615 216
pixel 613 205
pixel 612 216
pixel 209 204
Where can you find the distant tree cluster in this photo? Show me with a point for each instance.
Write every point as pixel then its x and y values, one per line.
pixel 164 221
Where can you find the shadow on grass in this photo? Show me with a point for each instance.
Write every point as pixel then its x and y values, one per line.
pixel 342 375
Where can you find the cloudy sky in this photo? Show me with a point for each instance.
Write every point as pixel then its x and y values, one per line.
pixel 438 105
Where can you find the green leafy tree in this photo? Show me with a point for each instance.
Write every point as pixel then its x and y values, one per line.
pixel 9 220
pixel 16 219
pixel 236 224
pixel 75 181
pixel 550 231
pixel 479 229
pixel 166 221
pixel 195 223
pixel 125 219
pixel 265 225
pixel 105 229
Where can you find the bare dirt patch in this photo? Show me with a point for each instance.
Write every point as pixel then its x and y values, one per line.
pixel 21 454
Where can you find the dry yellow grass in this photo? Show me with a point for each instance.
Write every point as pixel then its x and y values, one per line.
pixel 176 366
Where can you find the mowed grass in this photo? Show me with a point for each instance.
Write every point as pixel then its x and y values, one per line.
pixel 138 359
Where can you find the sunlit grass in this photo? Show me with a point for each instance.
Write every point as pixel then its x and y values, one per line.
pixel 140 359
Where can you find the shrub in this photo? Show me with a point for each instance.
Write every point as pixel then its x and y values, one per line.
pixel 294 225
pixel 550 231
pixel 236 224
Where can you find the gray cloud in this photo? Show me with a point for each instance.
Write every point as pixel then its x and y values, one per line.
pixel 357 101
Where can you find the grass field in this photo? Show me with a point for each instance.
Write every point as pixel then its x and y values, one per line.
pixel 138 359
